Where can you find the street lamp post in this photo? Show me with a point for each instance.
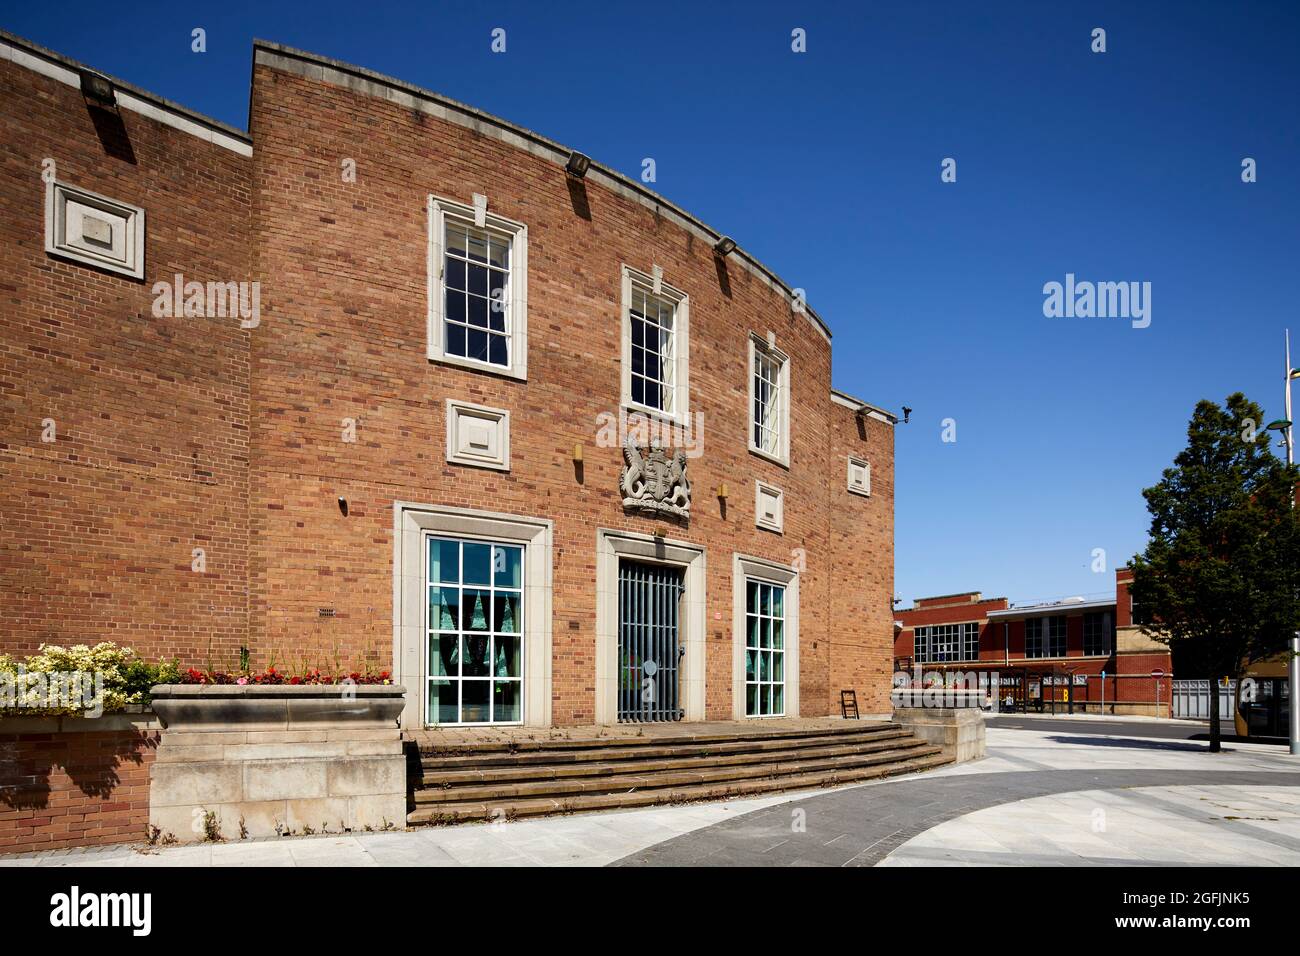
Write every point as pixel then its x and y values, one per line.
pixel 1286 428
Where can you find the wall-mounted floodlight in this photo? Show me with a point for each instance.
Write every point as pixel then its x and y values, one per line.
pixel 724 247
pixel 577 165
pixel 98 89
pixel 907 414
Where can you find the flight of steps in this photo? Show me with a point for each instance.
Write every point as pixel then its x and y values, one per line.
pixel 491 781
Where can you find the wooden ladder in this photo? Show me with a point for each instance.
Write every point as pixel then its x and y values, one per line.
pixel 849 704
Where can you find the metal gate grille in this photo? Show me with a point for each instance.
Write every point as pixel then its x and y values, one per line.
pixel 649 652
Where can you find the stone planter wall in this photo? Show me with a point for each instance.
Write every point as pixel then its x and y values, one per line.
pixel 258 760
pixel 959 730
pixel 74 781
pixel 940 697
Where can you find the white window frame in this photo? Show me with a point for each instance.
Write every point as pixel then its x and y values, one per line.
pixel 760 347
pixel 681 346
pixel 412 524
pixel 440 210
pixel 864 489
pixel 747 568
pixel 491 679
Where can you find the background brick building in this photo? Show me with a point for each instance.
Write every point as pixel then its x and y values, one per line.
pixel 1048 656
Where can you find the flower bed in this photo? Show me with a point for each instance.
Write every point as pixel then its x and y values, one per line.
pixel 272 676
pixel 79 681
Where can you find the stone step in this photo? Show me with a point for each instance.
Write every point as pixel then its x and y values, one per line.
pixel 436 777
pixel 434 742
pixel 618 750
pixel 509 809
pixel 685 775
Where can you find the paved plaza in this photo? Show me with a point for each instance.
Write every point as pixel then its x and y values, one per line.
pixel 1126 793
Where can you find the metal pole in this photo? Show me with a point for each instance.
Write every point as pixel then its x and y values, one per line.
pixel 1293 665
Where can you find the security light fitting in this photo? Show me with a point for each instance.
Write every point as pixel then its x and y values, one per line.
pixel 577 165
pixel 98 89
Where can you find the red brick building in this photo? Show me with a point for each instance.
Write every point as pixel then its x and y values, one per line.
pixel 349 389
pixel 1040 657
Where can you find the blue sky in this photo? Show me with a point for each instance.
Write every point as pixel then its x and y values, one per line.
pixel 1122 166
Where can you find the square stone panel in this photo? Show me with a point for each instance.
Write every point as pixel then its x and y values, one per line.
pixel 477 435
pixel 93 229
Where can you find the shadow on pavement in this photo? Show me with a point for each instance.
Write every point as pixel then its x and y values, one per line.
pixel 1138 743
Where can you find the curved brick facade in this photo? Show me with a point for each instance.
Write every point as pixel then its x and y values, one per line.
pixel 199 433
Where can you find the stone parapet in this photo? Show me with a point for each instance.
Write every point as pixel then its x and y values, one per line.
pixel 959 730
pixel 255 760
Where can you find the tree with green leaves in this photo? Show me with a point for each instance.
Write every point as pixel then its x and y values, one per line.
pixel 1219 581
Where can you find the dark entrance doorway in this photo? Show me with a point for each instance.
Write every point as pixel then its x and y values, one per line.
pixel 649 642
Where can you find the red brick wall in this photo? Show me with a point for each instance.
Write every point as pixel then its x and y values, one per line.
pixel 151 414
pixel 73 788
pixel 344 336
pixel 951 610
pixel 1123 602
pixel 948 600
pixel 182 433
pixel 861 573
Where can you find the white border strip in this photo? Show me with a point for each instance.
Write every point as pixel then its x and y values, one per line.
pixel 66 75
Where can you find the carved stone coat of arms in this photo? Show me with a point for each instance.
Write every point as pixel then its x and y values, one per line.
pixel 653 482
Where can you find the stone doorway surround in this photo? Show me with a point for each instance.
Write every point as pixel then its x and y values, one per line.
pixel 412 524
pixel 611 546
pixel 743 567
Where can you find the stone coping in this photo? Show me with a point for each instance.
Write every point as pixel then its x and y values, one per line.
pixel 190 707
pixel 274 691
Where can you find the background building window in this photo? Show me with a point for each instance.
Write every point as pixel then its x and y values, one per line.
pixel 475 632
pixel 764 649
pixel 944 643
pixel 1045 636
pixel 1034 637
pixel 1098 627
pixel 921 645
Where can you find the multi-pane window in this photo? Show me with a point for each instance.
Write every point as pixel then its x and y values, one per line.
pixel 475 632
pixel 942 643
pixel 1097 630
pixel 478 288
pixel 764 649
pixel 654 349
pixel 476 282
pixel 768 399
pixel 1045 636
pixel 921 645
